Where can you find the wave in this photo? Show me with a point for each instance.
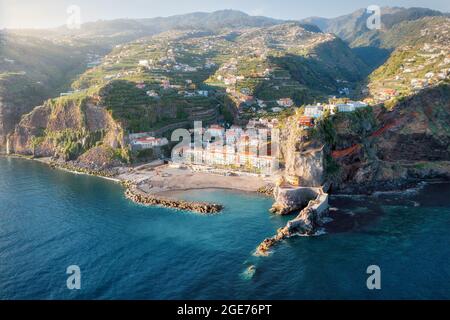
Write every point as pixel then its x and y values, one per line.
pixel 248 273
pixel 406 192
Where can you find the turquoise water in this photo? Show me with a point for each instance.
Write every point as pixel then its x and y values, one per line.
pixel 50 219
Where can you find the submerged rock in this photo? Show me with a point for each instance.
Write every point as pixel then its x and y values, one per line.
pixel 249 272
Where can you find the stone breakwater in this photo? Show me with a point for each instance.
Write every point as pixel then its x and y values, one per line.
pixel 306 223
pixel 267 190
pixel 152 200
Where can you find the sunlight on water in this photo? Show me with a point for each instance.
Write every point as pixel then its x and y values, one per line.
pixel 50 219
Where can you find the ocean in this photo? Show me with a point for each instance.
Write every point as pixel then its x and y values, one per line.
pixel 51 219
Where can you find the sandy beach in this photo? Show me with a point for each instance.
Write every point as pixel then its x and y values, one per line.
pixel 165 181
pixel 169 182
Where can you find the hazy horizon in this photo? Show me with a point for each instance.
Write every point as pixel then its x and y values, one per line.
pixel 52 13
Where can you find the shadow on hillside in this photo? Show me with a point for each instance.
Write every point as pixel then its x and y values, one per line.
pixel 372 56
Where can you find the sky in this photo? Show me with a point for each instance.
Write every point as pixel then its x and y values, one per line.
pixel 52 13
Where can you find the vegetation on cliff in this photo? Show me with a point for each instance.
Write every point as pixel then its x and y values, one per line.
pixel 33 69
pixel 71 128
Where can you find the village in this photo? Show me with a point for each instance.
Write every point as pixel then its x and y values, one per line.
pixel 176 67
pixel 414 68
pixel 252 148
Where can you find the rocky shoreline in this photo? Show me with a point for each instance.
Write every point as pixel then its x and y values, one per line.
pixel 391 186
pixel 77 169
pixel 203 208
pixel 264 248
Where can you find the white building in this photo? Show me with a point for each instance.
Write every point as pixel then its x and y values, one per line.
pixel 153 94
pixel 216 131
pixel 285 103
pixel 149 142
pixel 314 111
pixel 144 63
pixel 277 109
pixel 203 93
pixel 344 107
pixel 350 106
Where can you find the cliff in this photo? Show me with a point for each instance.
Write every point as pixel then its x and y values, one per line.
pixel 408 143
pixel 383 147
pixel 70 129
pixel 302 155
pixel 34 68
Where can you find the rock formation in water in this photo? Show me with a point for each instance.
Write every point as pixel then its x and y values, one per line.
pixel 290 199
pixel 313 203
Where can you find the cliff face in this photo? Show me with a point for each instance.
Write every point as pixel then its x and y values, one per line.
pixel 303 158
pixel 69 129
pixel 376 148
pixel 409 141
pixel 34 68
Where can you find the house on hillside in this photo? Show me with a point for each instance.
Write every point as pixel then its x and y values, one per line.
pixel 153 94
pixel 216 131
pixel 277 109
pixel 306 121
pixel 144 63
pixel 314 111
pixel 165 84
pixel 203 93
pixel 345 107
pixel 285 102
pixel 148 143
